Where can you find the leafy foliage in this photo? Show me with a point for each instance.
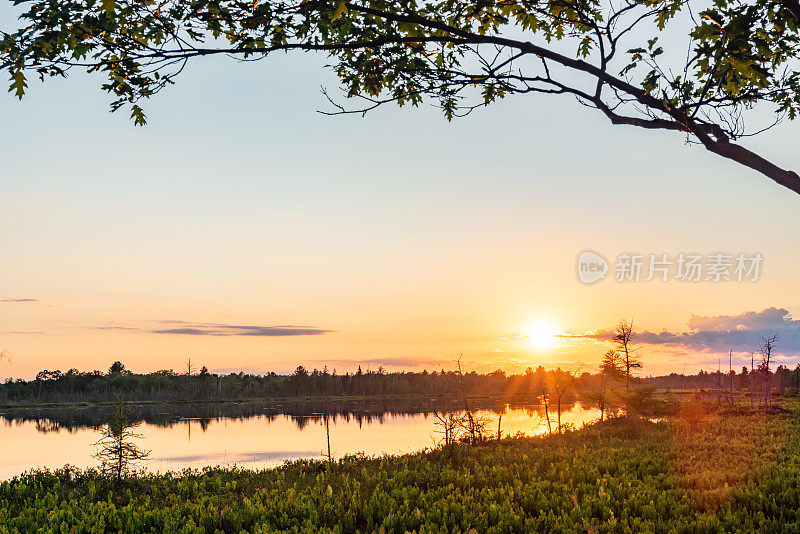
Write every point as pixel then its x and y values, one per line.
pixel 739 51
pixel 655 64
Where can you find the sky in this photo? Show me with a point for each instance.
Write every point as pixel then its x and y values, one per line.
pixel 244 230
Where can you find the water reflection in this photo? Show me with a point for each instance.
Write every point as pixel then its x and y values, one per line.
pixel 254 434
pixel 301 412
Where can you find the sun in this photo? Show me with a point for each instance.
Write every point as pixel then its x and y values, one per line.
pixel 541 335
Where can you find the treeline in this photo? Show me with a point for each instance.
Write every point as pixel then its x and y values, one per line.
pixel 783 379
pixel 120 384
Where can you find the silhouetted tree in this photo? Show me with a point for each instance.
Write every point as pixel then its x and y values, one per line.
pixel 624 339
pixel 116 368
pixel 470 418
pixel 610 369
pixel 561 382
pixel 118 453
pixel 766 349
pixel 725 384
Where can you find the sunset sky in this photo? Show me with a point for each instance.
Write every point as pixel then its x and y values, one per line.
pixel 246 231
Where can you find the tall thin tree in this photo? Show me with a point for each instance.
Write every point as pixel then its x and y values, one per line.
pixel 766 349
pixel 624 338
pixel 117 450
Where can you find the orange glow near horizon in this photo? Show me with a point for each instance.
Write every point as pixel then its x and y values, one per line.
pixel 398 315
pixel 541 335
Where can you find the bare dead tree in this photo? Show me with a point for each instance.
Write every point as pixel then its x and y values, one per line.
pixel 476 429
pixel 328 437
pixel 562 382
pixel 726 390
pixel 752 376
pixel 458 427
pixel 766 349
pixel 440 427
pixel 468 412
pixel 499 430
pixel 545 396
pixel 731 374
pixel 448 425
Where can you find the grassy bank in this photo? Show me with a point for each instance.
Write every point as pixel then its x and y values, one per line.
pixel 705 472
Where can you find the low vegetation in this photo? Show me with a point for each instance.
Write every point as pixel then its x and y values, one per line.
pixel 709 469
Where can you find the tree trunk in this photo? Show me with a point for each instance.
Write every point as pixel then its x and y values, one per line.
pixel 546 412
pixel 559 414
pixel 499 431
pixel 603 397
pixel 328 437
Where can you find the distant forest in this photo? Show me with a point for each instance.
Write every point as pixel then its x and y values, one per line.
pixel 120 384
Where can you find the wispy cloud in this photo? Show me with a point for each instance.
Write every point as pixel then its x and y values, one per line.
pixel 248 330
pixel 768 319
pixel 220 329
pixel 10 301
pixel 720 333
pixel 24 332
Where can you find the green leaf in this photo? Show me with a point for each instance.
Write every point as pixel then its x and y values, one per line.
pixel 18 84
pixel 341 9
pixel 138 116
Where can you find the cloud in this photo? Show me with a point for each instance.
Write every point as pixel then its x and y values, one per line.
pixel 596 335
pixel 216 329
pixel 220 329
pixel 768 319
pixel 8 301
pixel 740 333
pixel 24 332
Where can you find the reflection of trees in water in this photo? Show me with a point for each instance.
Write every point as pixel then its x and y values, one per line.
pixel 300 412
pixel 46 426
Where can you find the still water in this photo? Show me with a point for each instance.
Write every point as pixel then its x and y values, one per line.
pixel 245 434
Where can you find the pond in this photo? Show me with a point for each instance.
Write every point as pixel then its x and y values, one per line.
pixel 252 435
